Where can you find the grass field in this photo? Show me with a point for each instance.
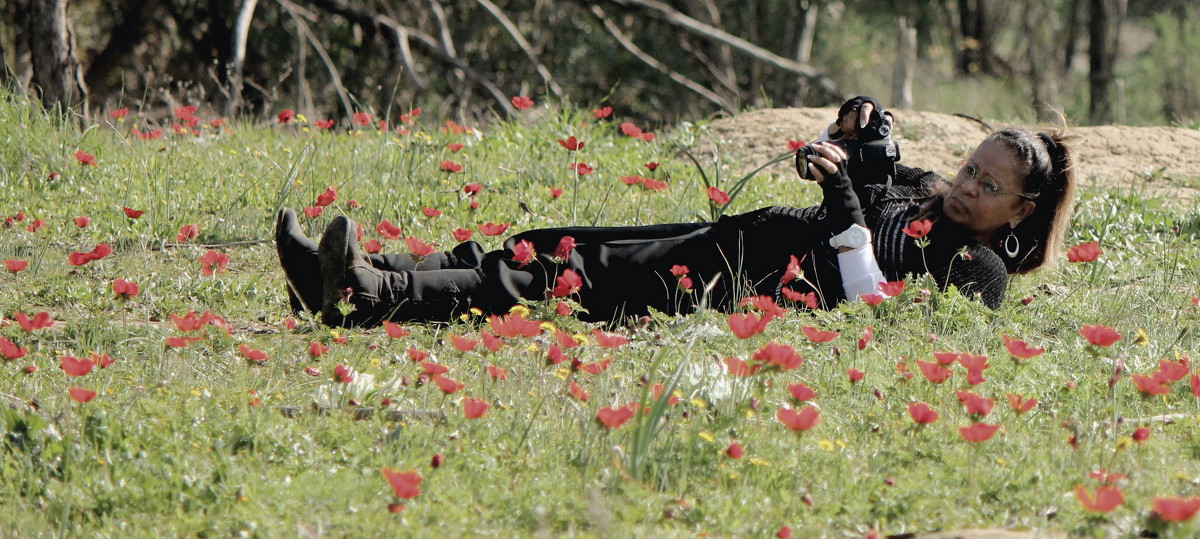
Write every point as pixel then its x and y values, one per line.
pixel 236 428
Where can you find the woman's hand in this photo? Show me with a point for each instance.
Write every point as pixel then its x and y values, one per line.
pixel 828 159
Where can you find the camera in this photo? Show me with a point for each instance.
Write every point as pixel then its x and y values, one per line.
pixel 871 158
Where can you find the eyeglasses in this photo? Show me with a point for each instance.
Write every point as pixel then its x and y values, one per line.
pixel 989 185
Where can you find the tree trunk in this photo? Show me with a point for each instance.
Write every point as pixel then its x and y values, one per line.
pixel 56 72
pixel 906 65
pixel 1101 57
pixel 236 62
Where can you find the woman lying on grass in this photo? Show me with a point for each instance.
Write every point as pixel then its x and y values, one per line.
pixel 1005 212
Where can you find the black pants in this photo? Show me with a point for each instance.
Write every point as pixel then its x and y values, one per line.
pixel 625 271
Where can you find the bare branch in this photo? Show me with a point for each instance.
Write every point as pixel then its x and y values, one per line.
pixel 657 65
pixel 312 39
pixel 672 16
pixel 240 32
pixel 523 44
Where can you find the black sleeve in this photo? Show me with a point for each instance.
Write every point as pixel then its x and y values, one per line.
pixel 977 273
pixel 918 178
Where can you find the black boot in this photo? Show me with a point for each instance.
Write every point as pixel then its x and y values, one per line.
pixel 374 295
pixel 298 257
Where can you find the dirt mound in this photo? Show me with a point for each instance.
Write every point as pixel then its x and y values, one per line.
pixel 1160 160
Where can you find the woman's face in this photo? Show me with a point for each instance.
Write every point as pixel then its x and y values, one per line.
pixel 988 193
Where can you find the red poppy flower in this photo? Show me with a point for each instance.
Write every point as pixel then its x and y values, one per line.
pixel 608 340
pixel 431 212
pixel 974 404
pixel 801 392
pixel 418 247
pixel 631 180
pixel 1176 509
pixel 1019 405
pixel 490 341
pixel 10 349
pixel 148 135
pixel 15 265
pixel 975 366
pixel 473 408
pixel 766 304
pixel 1107 498
pixel 777 354
pixel 555 192
pixel 793 145
pixel 80 395
pixel 361 119
pixel 372 246
pixel 75 366
pixel 388 230
pixel 747 325
pixel 574 390
pixel 132 213
pixel 796 421
pixel 450 166
pixel 85 158
pixel 392 330
pixel 786 532
pixel 1019 349
pixel 433 369
pixel 497 372
pixel 872 299
pixel 1151 384
pixel 978 432
pixel 523 252
pixel 463 344
pixel 921 413
pixel 737 367
pixel 316 349
pixel 454 146
pixel 718 196
pixel 1140 434
pixel 867 334
pixel 404 484
pixel 945 358
pixel 1084 252
pixel 918 228
pixel 212 263
pixel 855 375
pixel 679 271
pixel 595 368
pixel 82 221
pixel 566 284
pixel 124 289
pixel 514 325
pixel 461 234
pixel 572 143
pixel 285 116
pixel 808 299
pixel 493 229
pixel 602 113
pixel 119 113
pixel 416 355
pixel 185 112
pixel 819 336
pixel 342 374
pixel 97 252
pixel 102 360
pixel 180 342
pixel 521 102
pixel 734 451
pixel 39 321
pixel 613 418
pixel 890 289
pixel 581 169
pixel 323 124
pixel 257 357
pixel 1099 335
pixel 934 372
pixel 190 321
pixel 326 197
pixel 1172 371
pixel 313 211
pixel 555 355
pixel 566 244
pixel 187 232
pixel 630 130
pixel 652 184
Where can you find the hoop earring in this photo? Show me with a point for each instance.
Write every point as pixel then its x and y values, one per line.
pixel 1012 245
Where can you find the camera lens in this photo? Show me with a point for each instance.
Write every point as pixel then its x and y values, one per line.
pixel 884 130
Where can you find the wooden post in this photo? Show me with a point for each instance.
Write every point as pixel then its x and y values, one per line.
pixel 906 65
